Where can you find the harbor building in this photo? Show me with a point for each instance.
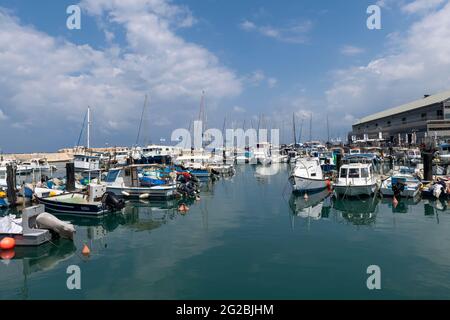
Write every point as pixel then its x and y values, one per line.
pixel 407 124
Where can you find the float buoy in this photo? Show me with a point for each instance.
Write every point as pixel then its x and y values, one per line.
pixel 306 196
pixel 7 254
pixel 183 208
pixel 197 198
pixel 144 196
pixel 328 185
pixel 2 194
pixel 7 243
pixel 395 202
pixel 86 251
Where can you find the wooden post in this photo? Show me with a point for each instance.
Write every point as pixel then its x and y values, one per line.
pixel 338 162
pixel 427 158
pixel 11 184
pixel 70 176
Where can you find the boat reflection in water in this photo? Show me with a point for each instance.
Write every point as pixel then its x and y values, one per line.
pixel 311 208
pixel 39 259
pixel 147 216
pixel 314 206
pixel 357 211
pixel 402 205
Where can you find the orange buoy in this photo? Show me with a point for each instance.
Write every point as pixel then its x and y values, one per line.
pixel 7 243
pixel 395 202
pixel 86 251
pixel 328 182
pixel 7 254
pixel 183 208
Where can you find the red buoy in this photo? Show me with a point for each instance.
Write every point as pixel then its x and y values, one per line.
pixel 7 254
pixel 7 243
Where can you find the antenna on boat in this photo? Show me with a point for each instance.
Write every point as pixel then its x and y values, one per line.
pixel 142 117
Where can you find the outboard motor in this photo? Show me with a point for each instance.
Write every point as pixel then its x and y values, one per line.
pixel 111 202
pixel 398 188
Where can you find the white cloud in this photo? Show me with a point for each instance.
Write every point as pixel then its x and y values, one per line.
pixel 238 109
pixel 272 82
pixel 349 50
pixel 420 65
pixel 2 115
pixel 421 6
pixel 51 79
pixel 294 33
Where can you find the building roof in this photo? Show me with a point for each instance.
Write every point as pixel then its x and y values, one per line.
pixel 436 98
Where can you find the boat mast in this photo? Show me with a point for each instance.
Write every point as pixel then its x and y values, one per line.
pixel 140 123
pixel 310 128
pixel 328 129
pixel 293 126
pixel 88 127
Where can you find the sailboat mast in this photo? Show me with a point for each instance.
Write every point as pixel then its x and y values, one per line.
pixel 293 126
pixel 328 129
pixel 88 127
pixel 310 128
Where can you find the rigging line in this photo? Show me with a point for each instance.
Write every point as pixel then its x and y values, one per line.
pixel 140 123
pixel 82 129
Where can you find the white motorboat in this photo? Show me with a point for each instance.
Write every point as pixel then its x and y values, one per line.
pixel 307 176
pixel 356 179
pixel 34 165
pixel 86 163
pixel 402 183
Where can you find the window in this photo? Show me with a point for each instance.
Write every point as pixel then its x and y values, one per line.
pixel 353 173
pixel 112 176
pixel 423 115
pixel 343 173
pixel 403 120
pixel 364 173
pixel 440 113
pixel 388 123
pixel 376 124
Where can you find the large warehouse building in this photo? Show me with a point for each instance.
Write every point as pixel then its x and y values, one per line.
pixel 410 123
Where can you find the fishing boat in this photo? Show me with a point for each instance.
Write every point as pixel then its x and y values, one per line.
pixel 95 203
pixel 356 179
pixel 130 182
pixel 401 183
pixel 307 176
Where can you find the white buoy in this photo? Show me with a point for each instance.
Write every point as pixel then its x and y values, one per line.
pixel 144 196
pixel 126 194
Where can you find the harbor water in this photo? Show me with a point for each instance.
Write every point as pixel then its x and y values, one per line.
pixel 247 238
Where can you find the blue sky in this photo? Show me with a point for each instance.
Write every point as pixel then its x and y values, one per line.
pixel 252 58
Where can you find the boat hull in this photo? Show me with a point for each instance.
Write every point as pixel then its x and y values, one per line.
pixel 354 191
pixel 60 207
pixel 300 184
pixel 159 192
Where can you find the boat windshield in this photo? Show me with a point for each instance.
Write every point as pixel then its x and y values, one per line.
pixel 353 173
pixel 343 173
pixel 112 175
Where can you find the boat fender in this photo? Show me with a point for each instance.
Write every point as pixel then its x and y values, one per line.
pixel 126 194
pixel 50 222
pixel 7 243
pixel 144 196
pixel 2 194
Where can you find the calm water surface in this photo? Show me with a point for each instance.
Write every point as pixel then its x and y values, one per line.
pixel 247 238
